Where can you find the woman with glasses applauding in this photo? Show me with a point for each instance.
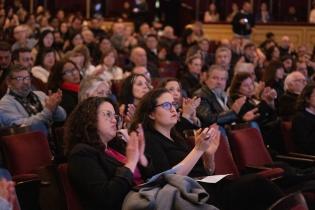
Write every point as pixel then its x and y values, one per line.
pixel 166 148
pixel 99 172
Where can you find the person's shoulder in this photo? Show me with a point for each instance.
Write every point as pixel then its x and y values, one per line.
pixel 83 150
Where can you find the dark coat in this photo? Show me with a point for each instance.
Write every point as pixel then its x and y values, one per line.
pixel 100 181
pixel 303 131
pixel 210 111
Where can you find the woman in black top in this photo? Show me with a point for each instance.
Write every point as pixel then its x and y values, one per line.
pixel 166 148
pixel 101 175
pixel 303 125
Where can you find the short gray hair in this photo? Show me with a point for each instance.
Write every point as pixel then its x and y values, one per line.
pixel 288 80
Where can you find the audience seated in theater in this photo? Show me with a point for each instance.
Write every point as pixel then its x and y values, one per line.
pixel 242 86
pixel 214 106
pixel 166 148
pixel 46 40
pixel 103 46
pixel 311 18
pixel 138 57
pixel 211 15
pixel 293 86
pixel 274 78
pixel 286 46
pixel 43 65
pixel 186 107
pixel 92 86
pixel 100 170
pixel 21 33
pixel 65 76
pixel 108 66
pixel 5 62
pixel 133 89
pixel 151 46
pixel 23 107
pixel 80 55
pixel 303 123
pixel 23 56
pixel 168 37
pixel 190 78
pixel 234 11
pixel 263 15
pixel 7 194
pixel 90 42
pixel 73 40
pixel 287 63
pixel 223 56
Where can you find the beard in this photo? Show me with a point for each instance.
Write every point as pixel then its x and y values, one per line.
pixel 218 91
pixel 23 92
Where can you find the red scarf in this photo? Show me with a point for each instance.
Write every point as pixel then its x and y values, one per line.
pixel 70 86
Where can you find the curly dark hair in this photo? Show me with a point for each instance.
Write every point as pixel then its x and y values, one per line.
pixel 303 100
pixel 146 106
pixel 81 126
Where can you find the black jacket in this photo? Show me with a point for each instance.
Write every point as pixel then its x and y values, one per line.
pixel 210 111
pixel 303 131
pixel 100 181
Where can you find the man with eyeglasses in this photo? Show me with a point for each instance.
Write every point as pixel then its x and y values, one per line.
pixel 294 83
pixel 23 107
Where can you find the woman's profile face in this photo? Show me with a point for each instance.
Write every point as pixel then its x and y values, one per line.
pixel 106 122
pixel 312 100
pixel 140 87
pixel 165 114
pixel 247 88
pixel 174 88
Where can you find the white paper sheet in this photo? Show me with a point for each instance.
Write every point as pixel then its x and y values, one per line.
pixel 212 179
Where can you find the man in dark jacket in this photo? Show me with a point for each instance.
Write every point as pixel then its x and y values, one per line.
pixel 213 107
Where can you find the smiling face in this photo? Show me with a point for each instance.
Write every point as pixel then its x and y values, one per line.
pixel 106 122
pixel 162 116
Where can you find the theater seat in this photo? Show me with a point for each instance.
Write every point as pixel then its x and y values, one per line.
pixel 294 201
pixel 71 197
pixel 224 162
pixel 286 129
pixel 25 153
pixel 248 148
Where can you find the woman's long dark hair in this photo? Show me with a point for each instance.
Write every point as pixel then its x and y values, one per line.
pixel 81 126
pixel 55 78
pixel 146 106
pixel 126 96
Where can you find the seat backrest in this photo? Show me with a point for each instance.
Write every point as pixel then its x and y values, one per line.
pixel 286 129
pixel 26 153
pixel 168 69
pixel 224 162
pixel 248 148
pixel 71 197
pixel 294 201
